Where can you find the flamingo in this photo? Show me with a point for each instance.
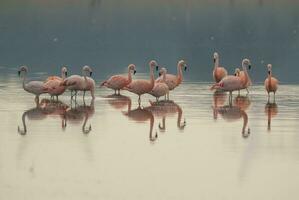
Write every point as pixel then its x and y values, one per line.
pixel 219 72
pixel 232 83
pixel 271 83
pixel 172 80
pixel 271 111
pixel 80 83
pixel 34 87
pixel 142 86
pixel 244 77
pixel 118 82
pixel 160 88
pixel 53 84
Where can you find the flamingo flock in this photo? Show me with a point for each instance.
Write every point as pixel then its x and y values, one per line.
pixel 161 86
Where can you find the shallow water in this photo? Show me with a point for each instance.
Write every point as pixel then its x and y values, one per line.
pixel 195 146
pixel 199 152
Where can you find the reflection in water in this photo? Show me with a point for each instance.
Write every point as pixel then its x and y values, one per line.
pixel 44 108
pixel 119 101
pixel 142 115
pixel 166 108
pixel 271 110
pixel 234 113
pixel 242 102
pixel 219 98
pixel 80 113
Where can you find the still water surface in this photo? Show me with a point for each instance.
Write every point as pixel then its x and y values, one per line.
pixel 192 147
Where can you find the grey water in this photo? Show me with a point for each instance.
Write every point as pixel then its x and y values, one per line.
pixel 195 146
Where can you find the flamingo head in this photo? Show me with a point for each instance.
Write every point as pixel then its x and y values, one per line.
pixel 182 64
pixel 87 70
pixel 246 63
pixel 132 68
pixel 162 71
pixel 153 64
pixel 237 72
pixel 269 66
pixel 22 69
pixel 215 56
pixel 64 71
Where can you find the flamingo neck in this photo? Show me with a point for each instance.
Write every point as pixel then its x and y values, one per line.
pixel 245 72
pixel 270 77
pixel 24 80
pixel 129 76
pixel 152 77
pixel 180 73
pixel 216 64
pixel 129 106
pixel 63 75
pixel 164 77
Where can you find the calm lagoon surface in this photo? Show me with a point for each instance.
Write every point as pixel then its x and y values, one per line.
pixel 195 146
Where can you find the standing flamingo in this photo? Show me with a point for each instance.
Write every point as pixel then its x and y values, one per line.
pixel 271 83
pixel 83 83
pixel 34 87
pixel 160 88
pixel 118 82
pixel 244 76
pixel 142 86
pixel 219 72
pixel 53 84
pixel 232 83
pixel 172 80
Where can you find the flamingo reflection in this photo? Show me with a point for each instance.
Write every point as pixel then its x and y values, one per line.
pixel 119 101
pixel 167 108
pixel 233 113
pixel 242 102
pixel 219 99
pixel 271 111
pixel 45 108
pixel 141 115
pixel 80 113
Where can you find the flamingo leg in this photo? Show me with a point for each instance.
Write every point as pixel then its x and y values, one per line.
pixel 83 95
pixel 274 97
pixel 139 100
pixel 247 90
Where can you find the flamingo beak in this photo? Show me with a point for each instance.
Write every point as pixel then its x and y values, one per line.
pixel 214 60
pixel 157 68
pixel 90 73
pixel 249 66
pixel 269 72
pixel 134 72
pixel 159 74
pixel 185 68
pixel 19 73
pixel 65 73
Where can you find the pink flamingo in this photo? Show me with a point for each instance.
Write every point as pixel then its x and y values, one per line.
pixel 53 84
pixel 81 83
pixel 244 77
pixel 219 72
pixel 118 82
pixel 232 83
pixel 271 83
pixel 142 86
pixel 160 88
pixel 173 81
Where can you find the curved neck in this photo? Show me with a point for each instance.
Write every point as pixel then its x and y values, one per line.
pixel 151 137
pixel 84 130
pixel 270 77
pixel 24 131
pixel 24 80
pixel 179 124
pixel 63 75
pixel 245 70
pixel 164 77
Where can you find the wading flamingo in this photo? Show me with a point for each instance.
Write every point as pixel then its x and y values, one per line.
pixel 53 84
pixel 142 86
pixel 244 76
pixel 34 87
pixel 118 82
pixel 271 83
pixel 83 83
pixel 219 72
pixel 172 80
pixel 160 88
pixel 232 83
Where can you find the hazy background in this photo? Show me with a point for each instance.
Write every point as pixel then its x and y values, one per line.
pixel 108 35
